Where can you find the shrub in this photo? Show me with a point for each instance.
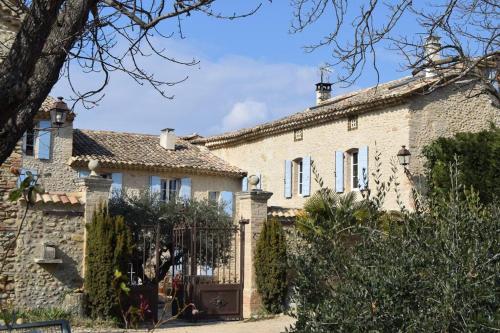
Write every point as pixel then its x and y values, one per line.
pixel 108 249
pixel 271 266
pixel 44 314
pixel 478 162
pixel 436 271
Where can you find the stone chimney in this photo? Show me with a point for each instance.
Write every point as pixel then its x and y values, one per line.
pixel 168 138
pixel 323 92
pixel 432 48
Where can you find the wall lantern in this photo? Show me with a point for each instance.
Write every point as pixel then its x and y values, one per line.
pixel 404 156
pixel 58 112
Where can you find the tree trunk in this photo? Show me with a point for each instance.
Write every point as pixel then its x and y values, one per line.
pixel 18 107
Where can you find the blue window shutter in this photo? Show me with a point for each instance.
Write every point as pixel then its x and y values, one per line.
pixel 154 184
pixel 288 179
pixel 363 167
pixel 185 190
pixel 339 171
pixel 259 185
pixel 83 173
pixel 227 200
pixel 244 184
pixel 116 185
pixel 44 139
pixel 306 176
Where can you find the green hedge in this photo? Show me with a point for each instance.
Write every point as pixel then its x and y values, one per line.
pixel 478 163
pixel 271 266
pixel 108 249
pixel 437 271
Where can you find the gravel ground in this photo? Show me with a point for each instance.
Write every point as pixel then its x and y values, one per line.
pixel 273 325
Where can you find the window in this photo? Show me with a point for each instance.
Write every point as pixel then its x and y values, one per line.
pixel 213 196
pixel 300 179
pixel 352 123
pixel 169 189
pixel 354 170
pixel 29 144
pixel 298 134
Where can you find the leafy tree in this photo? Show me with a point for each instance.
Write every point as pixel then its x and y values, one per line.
pixel 477 156
pixel 109 248
pixel 146 209
pixel 435 271
pixel 271 266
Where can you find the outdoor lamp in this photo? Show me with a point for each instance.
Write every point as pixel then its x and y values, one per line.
pixel 404 156
pixel 59 112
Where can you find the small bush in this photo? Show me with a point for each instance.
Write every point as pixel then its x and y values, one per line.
pixel 271 266
pixel 44 314
pixel 108 249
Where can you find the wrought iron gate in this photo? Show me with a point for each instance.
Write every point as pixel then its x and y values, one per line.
pixel 208 267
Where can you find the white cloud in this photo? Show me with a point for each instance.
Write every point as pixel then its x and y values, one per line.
pixel 220 94
pixel 245 114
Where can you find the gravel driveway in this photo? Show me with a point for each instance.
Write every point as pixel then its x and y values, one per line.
pixel 273 325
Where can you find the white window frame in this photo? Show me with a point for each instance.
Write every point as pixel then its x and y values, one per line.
pixel 217 195
pixel 30 133
pixel 300 176
pixel 166 189
pixel 354 171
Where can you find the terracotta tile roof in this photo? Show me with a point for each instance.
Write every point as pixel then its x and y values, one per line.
pixel 282 214
pixel 60 198
pixel 391 93
pixel 118 150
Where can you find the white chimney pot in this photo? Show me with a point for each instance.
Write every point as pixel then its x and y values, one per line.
pixel 168 138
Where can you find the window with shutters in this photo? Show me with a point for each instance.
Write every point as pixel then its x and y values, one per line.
pixel 169 189
pixel 29 144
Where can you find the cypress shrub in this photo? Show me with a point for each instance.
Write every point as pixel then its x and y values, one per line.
pixel 271 267
pixel 108 248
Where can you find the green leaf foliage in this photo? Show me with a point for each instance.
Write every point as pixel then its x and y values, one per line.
pixel 478 162
pixel 435 271
pixel 271 266
pixel 109 248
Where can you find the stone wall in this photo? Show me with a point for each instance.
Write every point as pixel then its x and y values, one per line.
pixel 9 25
pixel 45 285
pixel 457 108
pixel 8 225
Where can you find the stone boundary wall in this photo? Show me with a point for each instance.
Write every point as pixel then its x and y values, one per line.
pixel 46 284
pixel 8 222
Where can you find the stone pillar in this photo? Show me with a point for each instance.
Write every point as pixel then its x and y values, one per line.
pixel 95 190
pixel 251 206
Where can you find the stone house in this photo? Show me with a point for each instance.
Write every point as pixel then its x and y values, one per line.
pixel 348 137
pixel 164 163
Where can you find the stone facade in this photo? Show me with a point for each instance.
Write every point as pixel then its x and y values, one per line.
pixel 414 124
pixel 9 24
pixel 55 173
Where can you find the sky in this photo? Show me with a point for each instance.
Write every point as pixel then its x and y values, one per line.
pixel 250 70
